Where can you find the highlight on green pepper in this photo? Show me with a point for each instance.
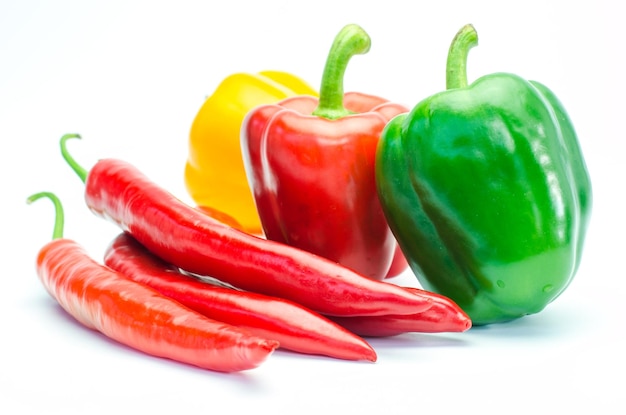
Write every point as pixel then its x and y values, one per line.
pixel 486 189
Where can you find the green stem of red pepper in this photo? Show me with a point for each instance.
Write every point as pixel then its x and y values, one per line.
pixel 456 66
pixel 351 40
pixel 57 232
pixel 80 170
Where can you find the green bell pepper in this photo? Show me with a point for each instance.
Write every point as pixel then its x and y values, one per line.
pixel 486 189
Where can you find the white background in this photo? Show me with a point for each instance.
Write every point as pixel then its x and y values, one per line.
pixel 129 76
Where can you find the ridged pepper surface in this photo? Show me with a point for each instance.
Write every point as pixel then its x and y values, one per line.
pixel 486 189
pixel 310 164
pixel 214 174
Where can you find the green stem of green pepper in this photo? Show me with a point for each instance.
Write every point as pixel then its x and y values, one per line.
pixel 57 233
pixel 351 40
pixel 456 66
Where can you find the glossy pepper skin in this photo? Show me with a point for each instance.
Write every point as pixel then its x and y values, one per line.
pixel 214 172
pixel 291 325
pixel 138 316
pixel 195 242
pixel 310 163
pixel 443 316
pixel 486 189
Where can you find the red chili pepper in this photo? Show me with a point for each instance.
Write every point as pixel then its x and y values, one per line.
pixel 310 163
pixel 293 326
pixel 443 316
pixel 398 265
pixel 138 316
pixel 197 243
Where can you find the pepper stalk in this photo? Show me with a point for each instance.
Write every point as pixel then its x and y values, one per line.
pixel 351 40
pixel 456 65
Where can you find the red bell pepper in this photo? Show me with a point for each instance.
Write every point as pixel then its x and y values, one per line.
pixel 310 164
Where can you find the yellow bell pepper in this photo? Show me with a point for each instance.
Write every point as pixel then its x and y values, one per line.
pixel 214 172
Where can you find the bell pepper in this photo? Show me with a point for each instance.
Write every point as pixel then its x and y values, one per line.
pixel 310 165
pixel 214 172
pixel 487 191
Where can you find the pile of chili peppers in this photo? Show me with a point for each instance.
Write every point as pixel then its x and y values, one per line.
pixel 327 210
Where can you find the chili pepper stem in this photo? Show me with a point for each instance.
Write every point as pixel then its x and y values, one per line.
pixel 351 40
pixel 57 233
pixel 80 171
pixel 456 65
